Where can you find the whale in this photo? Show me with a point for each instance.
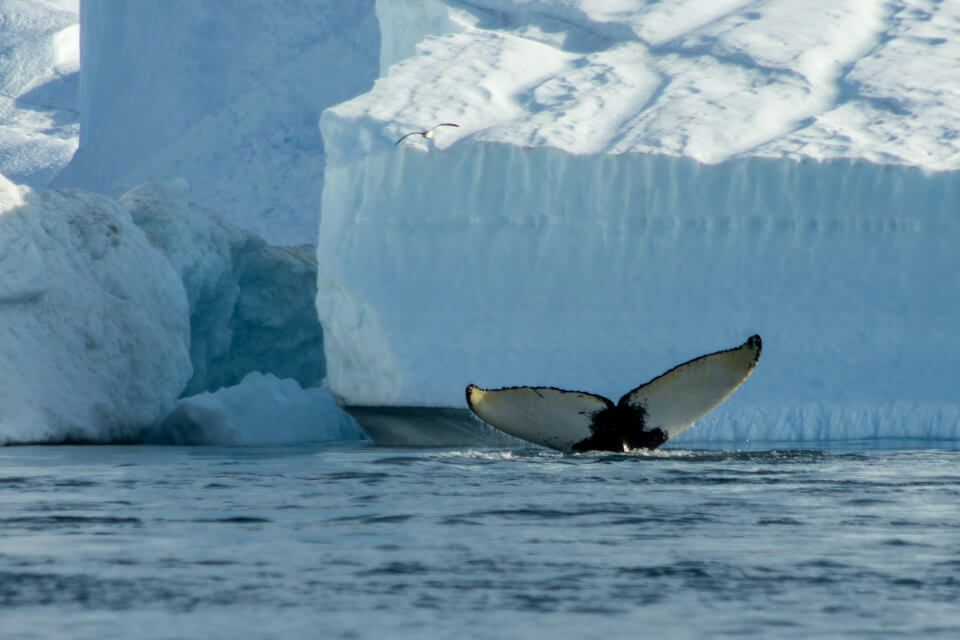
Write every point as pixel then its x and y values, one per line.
pixel 643 419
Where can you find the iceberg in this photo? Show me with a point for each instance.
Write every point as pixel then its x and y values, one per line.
pixel 631 187
pixel 112 310
pixel 94 327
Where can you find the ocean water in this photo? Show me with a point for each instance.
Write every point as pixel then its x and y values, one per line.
pixel 366 542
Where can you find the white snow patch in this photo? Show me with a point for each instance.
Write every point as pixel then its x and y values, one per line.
pixel 39 64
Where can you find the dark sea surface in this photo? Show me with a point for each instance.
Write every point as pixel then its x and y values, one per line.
pixel 858 541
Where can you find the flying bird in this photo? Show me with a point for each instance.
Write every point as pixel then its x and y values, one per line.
pixel 427 133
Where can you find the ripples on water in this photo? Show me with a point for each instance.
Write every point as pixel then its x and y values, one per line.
pixel 363 542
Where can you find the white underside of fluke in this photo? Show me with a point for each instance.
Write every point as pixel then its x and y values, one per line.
pixel 543 415
pixel 568 420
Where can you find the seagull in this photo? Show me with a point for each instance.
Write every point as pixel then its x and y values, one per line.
pixel 427 133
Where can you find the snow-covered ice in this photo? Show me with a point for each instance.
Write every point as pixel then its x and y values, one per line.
pixel 39 65
pixel 700 79
pixel 635 185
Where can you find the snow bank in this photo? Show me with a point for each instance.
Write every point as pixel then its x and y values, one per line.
pixel 227 99
pixel 262 410
pixel 629 189
pixel 94 331
pixel 39 64
pixel 251 305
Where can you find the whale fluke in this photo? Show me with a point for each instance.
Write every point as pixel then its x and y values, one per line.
pixel 644 418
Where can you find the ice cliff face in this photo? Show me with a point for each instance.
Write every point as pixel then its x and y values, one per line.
pixel 631 187
pixel 226 97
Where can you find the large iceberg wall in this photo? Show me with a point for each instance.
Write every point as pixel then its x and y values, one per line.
pixel 586 228
pixel 94 332
pixel 224 96
pixel 512 266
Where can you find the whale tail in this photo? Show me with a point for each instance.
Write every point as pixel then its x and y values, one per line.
pixel 644 418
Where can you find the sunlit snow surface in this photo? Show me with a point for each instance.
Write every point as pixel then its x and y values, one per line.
pixel 633 186
pixel 702 79
pixel 39 83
